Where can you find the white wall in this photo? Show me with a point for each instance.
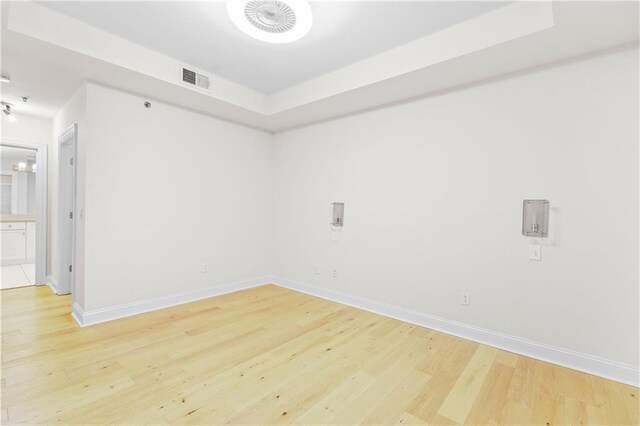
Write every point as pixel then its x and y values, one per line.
pixel 27 129
pixel 166 191
pixel 433 194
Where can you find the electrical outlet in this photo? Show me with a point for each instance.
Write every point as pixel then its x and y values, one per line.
pixel 334 274
pixel 465 298
pixel 205 268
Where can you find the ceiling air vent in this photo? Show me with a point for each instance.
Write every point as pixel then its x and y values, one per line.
pixel 196 79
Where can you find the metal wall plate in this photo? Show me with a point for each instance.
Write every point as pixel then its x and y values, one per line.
pixel 535 218
pixel 338 214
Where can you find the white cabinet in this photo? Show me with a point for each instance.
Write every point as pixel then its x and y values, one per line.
pixel 31 240
pixel 18 242
pixel 14 244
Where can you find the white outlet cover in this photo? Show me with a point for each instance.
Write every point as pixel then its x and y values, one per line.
pixel 535 252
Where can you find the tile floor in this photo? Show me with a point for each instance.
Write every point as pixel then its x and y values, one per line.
pixel 18 276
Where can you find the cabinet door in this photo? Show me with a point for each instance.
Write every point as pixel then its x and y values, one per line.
pixel 14 245
pixel 31 240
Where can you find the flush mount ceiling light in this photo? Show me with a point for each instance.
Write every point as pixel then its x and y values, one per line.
pixel 271 21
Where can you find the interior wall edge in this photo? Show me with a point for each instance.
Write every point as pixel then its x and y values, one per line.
pixel 586 363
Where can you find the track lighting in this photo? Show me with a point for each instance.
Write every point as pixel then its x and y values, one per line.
pixel 7 112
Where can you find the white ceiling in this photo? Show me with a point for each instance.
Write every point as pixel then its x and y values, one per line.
pixel 48 55
pixel 201 34
pixel 46 84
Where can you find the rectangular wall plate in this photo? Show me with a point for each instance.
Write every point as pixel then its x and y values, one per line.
pixel 535 252
pixel 338 214
pixel 535 218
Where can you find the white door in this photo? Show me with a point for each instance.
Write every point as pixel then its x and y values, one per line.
pixel 66 210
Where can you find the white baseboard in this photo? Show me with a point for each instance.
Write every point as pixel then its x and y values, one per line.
pixel 77 313
pixel 575 360
pixel 52 282
pixel 85 318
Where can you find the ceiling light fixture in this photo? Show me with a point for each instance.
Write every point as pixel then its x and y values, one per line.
pixel 7 111
pixel 271 21
pixel 24 167
pixel 5 79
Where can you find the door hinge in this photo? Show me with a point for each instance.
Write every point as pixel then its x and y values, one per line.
pixel 71 161
pixel 70 215
pixel 70 268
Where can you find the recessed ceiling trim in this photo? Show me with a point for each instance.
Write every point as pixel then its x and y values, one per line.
pixel 414 69
pixel 507 23
pixel 39 22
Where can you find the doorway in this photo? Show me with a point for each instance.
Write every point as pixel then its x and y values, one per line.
pixel 23 210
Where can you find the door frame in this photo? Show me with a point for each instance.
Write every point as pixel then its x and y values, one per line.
pixel 67 223
pixel 41 203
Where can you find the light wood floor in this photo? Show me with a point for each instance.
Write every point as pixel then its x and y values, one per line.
pixel 271 355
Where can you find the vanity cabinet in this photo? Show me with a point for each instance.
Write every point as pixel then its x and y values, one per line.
pixel 14 245
pixel 18 242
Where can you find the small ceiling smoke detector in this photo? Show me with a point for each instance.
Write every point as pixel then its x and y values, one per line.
pixel 271 21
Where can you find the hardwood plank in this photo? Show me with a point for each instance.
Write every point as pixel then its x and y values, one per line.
pixel 459 401
pixel 269 355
